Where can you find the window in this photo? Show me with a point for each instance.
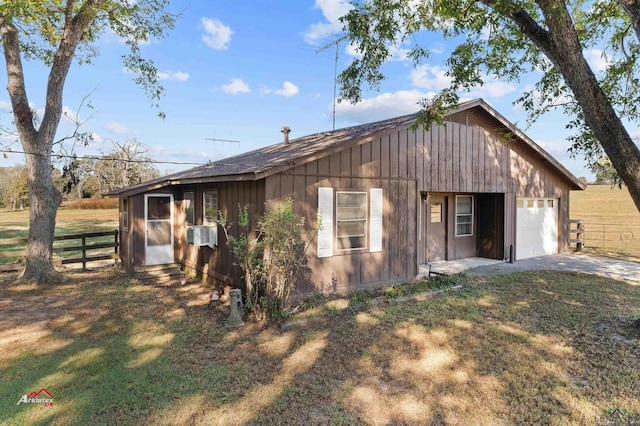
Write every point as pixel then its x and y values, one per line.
pixel 125 214
pixel 210 207
pixel 464 215
pixel 436 212
pixel 540 204
pixel 189 211
pixel 550 203
pixel 351 220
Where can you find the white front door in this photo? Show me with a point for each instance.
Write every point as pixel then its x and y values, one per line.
pixel 537 227
pixel 158 241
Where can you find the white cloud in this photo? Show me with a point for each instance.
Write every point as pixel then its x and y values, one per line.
pixel 597 59
pixel 385 105
pixel 216 35
pixel 288 89
pixel 435 78
pixel 430 77
pixel 97 139
pixel 332 10
pixel 176 76
pixel 492 89
pixel 437 48
pixel 117 128
pixel 236 86
pixel 5 106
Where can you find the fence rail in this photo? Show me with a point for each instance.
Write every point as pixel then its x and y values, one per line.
pixel 79 253
pixel 617 237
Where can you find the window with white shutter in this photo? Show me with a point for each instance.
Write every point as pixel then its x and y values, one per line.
pixel 350 221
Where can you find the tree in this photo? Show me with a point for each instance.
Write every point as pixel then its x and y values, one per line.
pixel 70 176
pixel 605 173
pixel 507 39
pixel 128 164
pixel 13 187
pixel 55 33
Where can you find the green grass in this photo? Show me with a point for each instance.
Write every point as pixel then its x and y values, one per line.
pixel 528 348
pixel 68 222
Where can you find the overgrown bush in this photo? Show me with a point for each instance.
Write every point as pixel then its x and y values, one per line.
pixel 272 260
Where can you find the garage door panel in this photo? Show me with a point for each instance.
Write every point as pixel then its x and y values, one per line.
pixel 537 227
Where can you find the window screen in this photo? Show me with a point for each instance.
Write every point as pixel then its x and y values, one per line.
pixel 464 215
pixel 351 220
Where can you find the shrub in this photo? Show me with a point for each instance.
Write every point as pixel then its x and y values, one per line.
pixel 272 260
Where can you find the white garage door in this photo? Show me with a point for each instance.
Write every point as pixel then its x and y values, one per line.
pixel 537 227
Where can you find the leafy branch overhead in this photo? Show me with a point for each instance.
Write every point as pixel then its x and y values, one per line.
pixel 508 39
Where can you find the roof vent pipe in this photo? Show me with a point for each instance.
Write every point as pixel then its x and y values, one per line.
pixel 286 132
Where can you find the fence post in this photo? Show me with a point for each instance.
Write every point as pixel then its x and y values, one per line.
pixel 115 249
pixel 580 236
pixel 84 252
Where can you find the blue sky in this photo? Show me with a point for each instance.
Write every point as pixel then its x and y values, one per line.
pixel 241 71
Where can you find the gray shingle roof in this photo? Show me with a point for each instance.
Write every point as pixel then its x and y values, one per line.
pixel 256 164
pixel 261 162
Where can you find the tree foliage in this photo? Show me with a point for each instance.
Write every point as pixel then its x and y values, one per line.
pixel 605 173
pixel 506 39
pixel 55 33
pixel 271 260
pixel 13 187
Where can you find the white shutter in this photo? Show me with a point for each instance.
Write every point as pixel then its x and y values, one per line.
pixel 375 220
pixel 325 212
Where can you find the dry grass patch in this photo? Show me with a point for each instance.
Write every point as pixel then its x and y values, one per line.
pixel 529 348
pixel 612 221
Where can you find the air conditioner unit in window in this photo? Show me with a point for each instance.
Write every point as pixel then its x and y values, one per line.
pixel 202 235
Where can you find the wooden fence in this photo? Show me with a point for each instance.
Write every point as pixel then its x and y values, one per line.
pixel 78 253
pixel 621 238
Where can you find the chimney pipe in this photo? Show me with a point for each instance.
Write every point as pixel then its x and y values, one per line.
pixel 286 132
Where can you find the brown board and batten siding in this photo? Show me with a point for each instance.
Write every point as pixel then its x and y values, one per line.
pixel 359 167
pixel 219 263
pixel 450 159
pixel 478 152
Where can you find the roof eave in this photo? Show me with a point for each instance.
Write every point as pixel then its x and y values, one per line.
pixel 128 192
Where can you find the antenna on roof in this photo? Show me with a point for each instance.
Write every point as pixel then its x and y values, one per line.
pixel 335 71
pixel 224 141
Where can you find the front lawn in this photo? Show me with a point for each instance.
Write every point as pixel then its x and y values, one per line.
pixel 528 348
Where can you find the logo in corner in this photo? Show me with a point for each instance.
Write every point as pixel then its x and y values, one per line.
pixel 41 397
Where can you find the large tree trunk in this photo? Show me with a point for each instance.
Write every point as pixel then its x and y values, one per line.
pixel 562 46
pixel 599 113
pixel 44 200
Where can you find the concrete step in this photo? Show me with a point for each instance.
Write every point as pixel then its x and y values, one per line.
pixel 159 273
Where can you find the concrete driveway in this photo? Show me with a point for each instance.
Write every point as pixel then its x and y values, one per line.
pixel 610 268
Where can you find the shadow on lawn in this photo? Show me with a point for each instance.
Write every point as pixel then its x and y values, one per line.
pixel 523 348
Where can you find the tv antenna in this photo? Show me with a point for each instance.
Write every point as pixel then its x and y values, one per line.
pixel 223 141
pixel 335 70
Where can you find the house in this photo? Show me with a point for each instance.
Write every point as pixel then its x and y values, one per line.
pixel 390 199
